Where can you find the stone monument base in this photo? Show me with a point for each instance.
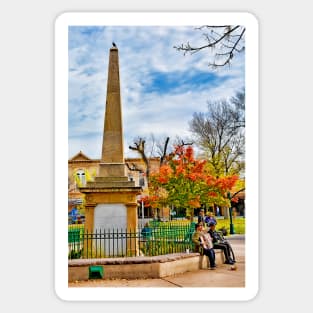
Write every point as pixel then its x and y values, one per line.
pixel 112 169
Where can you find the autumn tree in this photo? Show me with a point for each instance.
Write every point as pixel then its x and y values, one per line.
pixel 157 148
pixel 187 183
pixel 224 41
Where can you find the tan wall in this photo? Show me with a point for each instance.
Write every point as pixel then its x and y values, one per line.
pixel 92 166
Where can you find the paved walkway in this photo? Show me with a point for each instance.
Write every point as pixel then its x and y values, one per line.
pixel 223 276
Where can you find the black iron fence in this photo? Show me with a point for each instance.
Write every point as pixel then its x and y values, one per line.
pixel 121 243
pixel 157 239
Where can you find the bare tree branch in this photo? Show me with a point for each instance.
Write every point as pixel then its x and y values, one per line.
pixel 139 146
pixel 164 152
pixel 236 193
pixel 220 134
pixel 226 40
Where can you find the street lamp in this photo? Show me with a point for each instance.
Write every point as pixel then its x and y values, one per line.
pixel 231 225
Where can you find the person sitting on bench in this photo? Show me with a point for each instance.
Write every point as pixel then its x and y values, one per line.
pixel 221 244
pixel 203 240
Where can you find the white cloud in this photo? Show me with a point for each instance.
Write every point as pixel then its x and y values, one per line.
pixel 143 53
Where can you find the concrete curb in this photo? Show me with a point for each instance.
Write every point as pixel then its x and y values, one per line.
pixel 141 267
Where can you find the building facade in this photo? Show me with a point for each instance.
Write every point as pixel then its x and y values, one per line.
pixel 82 169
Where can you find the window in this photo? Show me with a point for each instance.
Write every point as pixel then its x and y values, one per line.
pixel 141 179
pixel 81 177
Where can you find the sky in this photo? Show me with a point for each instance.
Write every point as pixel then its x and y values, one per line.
pixel 161 87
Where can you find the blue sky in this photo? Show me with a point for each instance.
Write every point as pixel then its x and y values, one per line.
pixel 160 87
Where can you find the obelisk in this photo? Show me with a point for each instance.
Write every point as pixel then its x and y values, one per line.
pixel 111 198
pixel 112 159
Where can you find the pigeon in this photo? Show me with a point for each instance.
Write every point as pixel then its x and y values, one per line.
pixel 113 43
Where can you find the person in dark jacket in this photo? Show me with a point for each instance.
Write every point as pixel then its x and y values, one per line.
pixel 219 244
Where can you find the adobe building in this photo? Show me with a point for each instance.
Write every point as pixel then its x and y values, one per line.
pixel 82 169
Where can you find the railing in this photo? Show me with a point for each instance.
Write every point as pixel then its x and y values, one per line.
pixel 160 238
pixel 120 243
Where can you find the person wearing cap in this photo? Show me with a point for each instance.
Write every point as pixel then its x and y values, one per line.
pixel 202 240
pixel 210 218
pixel 218 244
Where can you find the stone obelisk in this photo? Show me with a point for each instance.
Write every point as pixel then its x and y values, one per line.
pixel 110 200
pixel 112 159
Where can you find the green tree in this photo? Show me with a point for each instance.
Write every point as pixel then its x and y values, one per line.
pixel 187 183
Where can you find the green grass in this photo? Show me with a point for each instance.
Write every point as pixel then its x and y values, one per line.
pixel 238 225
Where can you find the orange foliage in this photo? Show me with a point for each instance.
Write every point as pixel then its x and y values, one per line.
pixel 195 203
pixel 235 199
pixel 183 170
pixel 226 183
pixel 189 154
pixel 212 194
pixel 164 174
